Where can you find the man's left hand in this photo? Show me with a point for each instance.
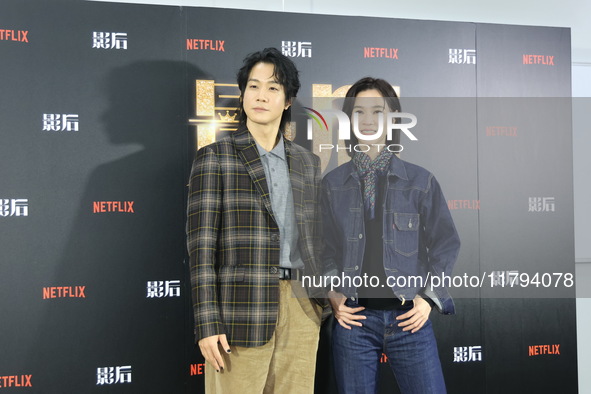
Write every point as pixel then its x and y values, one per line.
pixel 417 316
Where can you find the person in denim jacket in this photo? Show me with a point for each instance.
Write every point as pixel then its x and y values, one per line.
pixel 385 219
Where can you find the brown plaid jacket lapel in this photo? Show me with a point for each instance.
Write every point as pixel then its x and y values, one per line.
pixel 248 153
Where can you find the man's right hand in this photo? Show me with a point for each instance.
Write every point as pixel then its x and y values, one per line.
pixel 211 351
pixel 342 312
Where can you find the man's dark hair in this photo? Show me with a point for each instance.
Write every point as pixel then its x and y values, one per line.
pixel 285 72
pixel 390 96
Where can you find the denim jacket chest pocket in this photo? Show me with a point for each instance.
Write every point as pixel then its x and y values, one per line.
pixel 405 230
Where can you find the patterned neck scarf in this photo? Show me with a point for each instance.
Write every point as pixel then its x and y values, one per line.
pixel 369 171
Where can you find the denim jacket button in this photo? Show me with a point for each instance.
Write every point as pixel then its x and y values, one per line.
pixel 360 236
pixel 356 267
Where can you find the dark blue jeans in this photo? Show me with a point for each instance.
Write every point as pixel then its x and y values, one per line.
pixel 413 357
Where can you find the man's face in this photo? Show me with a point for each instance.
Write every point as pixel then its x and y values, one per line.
pixel 264 97
pixel 369 104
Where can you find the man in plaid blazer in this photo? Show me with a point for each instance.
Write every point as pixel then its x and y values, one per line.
pixel 251 235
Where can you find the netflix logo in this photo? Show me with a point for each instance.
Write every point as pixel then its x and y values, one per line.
pixel 501 131
pixel 388 53
pixel 16 381
pixel 112 206
pixel 196 44
pixel 14 35
pixel 463 204
pixel 197 369
pixel 64 292
pixel 538 59
pixel 539 350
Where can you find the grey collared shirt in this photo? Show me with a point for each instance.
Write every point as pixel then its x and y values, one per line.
pixel 278 181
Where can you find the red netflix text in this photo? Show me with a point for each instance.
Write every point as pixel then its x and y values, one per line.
pixel 538 350
pixel 388 53
pixel 196 44
pixel 197 369
pixel 463 204
pixel 538 59
pixel 14 35
pixel 501 131
pixel 64 292
pixel 112 206
pixel 16 381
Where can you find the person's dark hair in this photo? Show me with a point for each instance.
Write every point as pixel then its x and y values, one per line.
pixel 285 71
pixel 386 90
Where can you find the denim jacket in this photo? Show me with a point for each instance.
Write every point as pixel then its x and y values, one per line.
pixel 420 239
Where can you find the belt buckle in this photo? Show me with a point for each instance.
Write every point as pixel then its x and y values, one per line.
pixel 284 273
pixel 289 273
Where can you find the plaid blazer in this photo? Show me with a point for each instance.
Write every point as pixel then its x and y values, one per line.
pixel 233 238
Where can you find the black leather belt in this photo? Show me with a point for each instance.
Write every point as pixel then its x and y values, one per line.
pixel 290 273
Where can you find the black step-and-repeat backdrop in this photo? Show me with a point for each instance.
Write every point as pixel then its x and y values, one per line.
pixel 102 106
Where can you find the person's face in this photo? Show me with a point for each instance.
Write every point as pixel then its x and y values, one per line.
pixel 369 104
pixel 264 97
